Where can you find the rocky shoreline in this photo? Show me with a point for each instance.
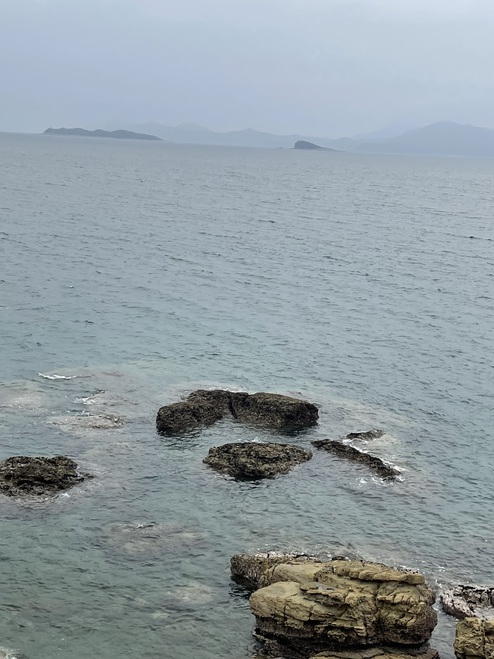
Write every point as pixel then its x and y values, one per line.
pixel 308 608
pixel 304 607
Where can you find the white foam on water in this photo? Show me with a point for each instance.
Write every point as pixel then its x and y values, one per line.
pixel 55 376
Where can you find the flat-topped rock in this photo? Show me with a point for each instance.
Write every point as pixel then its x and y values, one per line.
pixel 204 407
pixel 377 465
pixel 252 460
pixel 21 475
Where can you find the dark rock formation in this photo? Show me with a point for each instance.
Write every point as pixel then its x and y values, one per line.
pixel 116 134
pixel 474 639
pixel 303 144
pixel 306 607
pixel 468 601
pixel 251 461
pixel 22 475
pixel 204 407
pixel 368 434
pixel 381 468
pixel 183 416
pixel 273 410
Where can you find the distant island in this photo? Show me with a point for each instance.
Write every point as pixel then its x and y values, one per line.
pixel 444 138
pixel 303 144
pixel 116 134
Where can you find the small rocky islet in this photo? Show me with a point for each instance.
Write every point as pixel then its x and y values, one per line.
pixel 205 407
pixel 39 476
pixel 252 460
pixel 245 460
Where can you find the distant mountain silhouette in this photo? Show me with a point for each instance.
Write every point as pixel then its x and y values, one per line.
pixel 443 138
pixel 195 134
pixel 384 133
pixel 116 134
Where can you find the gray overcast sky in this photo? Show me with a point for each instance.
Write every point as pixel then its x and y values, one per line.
pixel 318 67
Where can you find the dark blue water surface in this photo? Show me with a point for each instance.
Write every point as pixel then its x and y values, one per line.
pixel 363 283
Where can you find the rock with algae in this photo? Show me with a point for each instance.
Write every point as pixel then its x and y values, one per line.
pixel 205 407
pixel 22 475
pixel 253 460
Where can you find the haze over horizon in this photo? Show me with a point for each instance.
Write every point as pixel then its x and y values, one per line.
pixel 314 67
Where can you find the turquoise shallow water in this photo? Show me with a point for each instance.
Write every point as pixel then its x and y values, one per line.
pixel 364 283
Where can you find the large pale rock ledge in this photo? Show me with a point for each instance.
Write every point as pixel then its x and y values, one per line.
pixel 305 607
pixel 204 407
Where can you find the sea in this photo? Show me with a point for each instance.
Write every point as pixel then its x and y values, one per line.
pixel 132 273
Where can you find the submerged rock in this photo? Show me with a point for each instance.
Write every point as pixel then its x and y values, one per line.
pixel 192 596
pixel 78 422
pixel 11 654
pixel 474 639
pixel 204 407
pixel 381 468
pixel 310 607
pixel 251 460
pixel 366 435
pixel 149 538
pixel 20 475
pixel 469 601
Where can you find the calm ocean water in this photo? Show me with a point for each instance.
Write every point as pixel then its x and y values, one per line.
pixel 363 283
